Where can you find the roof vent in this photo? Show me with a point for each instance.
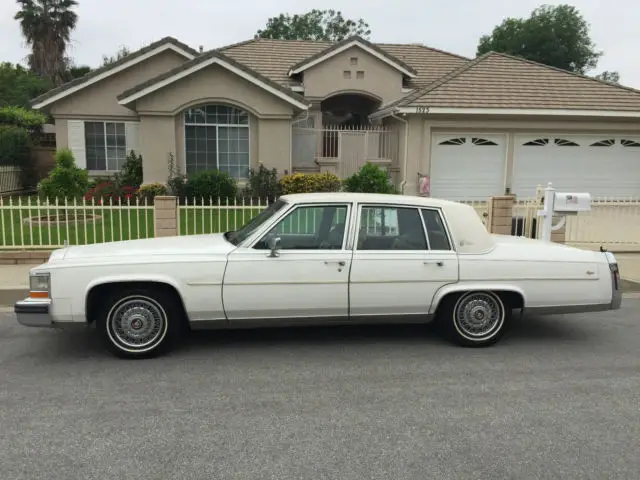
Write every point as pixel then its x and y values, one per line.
pixel 201 48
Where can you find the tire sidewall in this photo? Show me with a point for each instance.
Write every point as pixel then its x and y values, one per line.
pixel 459 336
pixel 160 345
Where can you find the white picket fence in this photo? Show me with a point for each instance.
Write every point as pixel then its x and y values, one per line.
pixel 35 223
pixel 612 222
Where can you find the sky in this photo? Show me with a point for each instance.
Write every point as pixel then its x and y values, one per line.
pixel 451 25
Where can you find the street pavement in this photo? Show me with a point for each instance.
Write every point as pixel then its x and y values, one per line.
pixel 558 398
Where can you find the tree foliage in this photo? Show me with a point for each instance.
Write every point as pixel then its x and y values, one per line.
pixel 121 53
pixel 314 25
pixel 607 76
pixel 46 26
pixel 553 35
pixel 18 85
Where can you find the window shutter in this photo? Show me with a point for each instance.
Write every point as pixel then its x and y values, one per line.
pixel 131 130
pixel 75 133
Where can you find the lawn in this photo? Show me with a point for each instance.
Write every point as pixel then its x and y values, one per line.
pixel 115 223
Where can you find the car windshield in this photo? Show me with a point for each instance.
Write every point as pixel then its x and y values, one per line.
pixel 238 236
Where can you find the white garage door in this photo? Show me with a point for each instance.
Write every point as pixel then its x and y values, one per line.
pixel 602 165
pixel 467 166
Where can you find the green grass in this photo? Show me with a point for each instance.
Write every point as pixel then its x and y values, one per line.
pixel 115 224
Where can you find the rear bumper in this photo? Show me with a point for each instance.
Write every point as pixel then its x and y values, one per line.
pixel 34 312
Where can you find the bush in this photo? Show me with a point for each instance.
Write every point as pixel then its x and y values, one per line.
pixel 66 180
pixel 210 184
pixel 151 190
pixel 370 179
pixel 131 171
pixel 263 183
pixel 111 192
pixel 310 182
pixel 15 144
pixel 30 119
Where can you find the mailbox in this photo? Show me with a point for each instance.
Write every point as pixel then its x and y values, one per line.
pixel 571 203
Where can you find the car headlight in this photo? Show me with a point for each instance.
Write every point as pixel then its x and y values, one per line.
pixel 39 285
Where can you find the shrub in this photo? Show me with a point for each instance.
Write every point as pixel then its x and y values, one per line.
pixel 131 171
pixel 111 192
pixel 66 180
pixel 263 183
pixel 151 190
pixel 370 179
pixel 310 182
pixel 31 119
pixel 210 184
pixel 15 148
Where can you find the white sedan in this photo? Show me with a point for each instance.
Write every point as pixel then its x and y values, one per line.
pixel 319 259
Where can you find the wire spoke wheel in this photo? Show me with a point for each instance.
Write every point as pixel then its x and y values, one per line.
pixel 478 316
pixel 137 324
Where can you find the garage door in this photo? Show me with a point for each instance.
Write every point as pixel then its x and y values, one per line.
pixel 467 166
pixel 602 165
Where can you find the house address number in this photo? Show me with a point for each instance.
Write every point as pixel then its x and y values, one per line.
pixel 422 109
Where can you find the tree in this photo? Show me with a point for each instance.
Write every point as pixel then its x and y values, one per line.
pixel 46 26
pixel 553 35
pixel 314 25
pixel 121 53
pixel 18 85
pixel 607 76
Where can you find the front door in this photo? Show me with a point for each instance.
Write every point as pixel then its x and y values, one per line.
pixel 307 279
pixel 397 269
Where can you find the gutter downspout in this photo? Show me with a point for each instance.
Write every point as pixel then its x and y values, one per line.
pixel 406 150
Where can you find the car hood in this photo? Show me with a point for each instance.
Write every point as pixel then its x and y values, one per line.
pixel 178 245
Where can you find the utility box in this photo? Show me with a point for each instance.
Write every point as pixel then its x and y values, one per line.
pixel 571 203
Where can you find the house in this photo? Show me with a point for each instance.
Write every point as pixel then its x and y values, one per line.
pixel 476 127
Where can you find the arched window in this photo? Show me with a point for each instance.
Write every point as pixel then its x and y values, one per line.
pixel 217 138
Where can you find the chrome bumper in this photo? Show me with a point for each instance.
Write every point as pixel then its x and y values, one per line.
pixel 33 312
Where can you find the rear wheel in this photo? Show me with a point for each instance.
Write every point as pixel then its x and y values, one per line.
pixel 475 319
pixel 139 323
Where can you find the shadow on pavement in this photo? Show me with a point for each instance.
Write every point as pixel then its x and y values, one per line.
pixel 523 331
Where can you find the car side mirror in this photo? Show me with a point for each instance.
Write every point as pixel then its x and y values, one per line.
pixel 274 246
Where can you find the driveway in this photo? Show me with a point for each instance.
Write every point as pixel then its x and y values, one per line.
pixel 558 398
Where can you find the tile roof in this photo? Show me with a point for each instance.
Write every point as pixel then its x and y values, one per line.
pixel 132 56
pixel 274 58
pixel 203 58
pixel 497 80
pixel 362 41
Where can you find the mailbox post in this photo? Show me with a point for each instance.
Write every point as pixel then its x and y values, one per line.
pixel 556 203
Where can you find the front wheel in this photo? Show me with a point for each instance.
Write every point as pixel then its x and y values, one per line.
pixel 139 323
pixel 475 319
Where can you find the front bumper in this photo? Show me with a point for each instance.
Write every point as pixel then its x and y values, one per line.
pixel 33 312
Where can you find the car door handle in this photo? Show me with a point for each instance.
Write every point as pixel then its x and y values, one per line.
pixel 439 263
pixel 342 263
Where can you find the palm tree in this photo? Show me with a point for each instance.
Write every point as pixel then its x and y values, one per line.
pixel 47 25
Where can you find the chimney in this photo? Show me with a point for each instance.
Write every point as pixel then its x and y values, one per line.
pixel 201 48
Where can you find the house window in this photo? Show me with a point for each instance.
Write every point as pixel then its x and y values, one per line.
pixel 629 143
pixel 106 146
pixel 562 142
pixel 346 74
pixel 360 74
pixel 483 142
pixel 354 60
pixel 216 137
pixel 454 141
pixel 609 142
pixel 538 142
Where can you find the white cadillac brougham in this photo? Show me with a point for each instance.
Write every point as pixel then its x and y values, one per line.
pixel 319 259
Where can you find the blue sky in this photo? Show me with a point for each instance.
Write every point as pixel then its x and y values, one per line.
pixel 451 25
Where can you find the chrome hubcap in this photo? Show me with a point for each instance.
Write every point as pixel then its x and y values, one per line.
pixel 478 315
pixel 137 323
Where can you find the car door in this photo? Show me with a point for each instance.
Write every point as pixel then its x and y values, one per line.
pixel 308 278
pixel 394 271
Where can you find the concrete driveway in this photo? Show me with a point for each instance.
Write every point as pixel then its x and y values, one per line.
pixel 558 398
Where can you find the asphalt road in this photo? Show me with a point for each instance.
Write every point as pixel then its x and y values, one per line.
pixel 558 398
